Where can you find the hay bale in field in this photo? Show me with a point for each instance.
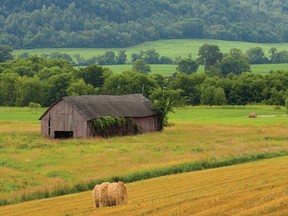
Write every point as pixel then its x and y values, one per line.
pixel 252 115
pixel 110 194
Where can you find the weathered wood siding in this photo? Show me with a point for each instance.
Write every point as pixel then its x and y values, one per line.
pixel 63 118
pixel 147 124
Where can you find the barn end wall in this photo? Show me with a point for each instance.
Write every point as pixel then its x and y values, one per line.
pixel 63 118
pixel 147 124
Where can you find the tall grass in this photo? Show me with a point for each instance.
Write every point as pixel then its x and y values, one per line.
pixel 35 167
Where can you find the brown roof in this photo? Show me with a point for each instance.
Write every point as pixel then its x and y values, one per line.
pixel 97 106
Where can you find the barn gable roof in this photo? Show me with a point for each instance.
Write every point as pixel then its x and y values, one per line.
pixel 97 106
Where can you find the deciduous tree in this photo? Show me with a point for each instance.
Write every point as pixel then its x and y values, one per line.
pixel 165 101
pixel 5 53
pixel 209 55
pixel 187 66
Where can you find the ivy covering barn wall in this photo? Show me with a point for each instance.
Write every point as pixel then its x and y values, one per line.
pixel 113 125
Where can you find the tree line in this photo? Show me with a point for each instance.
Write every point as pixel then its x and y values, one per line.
pixel 42 80
pixel 122 23
pixel 254 55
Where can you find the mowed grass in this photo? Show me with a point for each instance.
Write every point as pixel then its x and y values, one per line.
pixel 31 164
pixel 257 188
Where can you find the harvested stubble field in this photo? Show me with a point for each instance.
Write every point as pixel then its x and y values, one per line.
pixel 257 188
pixel 31 165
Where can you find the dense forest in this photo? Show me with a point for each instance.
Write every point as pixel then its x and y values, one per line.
pixel 121 23
pixel 40 80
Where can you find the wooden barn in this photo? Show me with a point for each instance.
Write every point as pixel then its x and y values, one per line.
pixel 74 116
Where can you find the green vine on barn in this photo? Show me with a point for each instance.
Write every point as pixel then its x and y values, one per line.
pixel 113 125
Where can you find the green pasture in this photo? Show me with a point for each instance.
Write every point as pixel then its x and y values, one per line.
pixel 165 70
pixel 231 115
pixel 266 68
pixel 31 164
pixel 20 114
pixel 200 114
pixel 169 48
pixel 168 70
pixel 172 49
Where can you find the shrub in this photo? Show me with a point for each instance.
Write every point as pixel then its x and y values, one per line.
pixel 33 105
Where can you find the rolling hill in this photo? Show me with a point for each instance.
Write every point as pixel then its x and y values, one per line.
pixel 122 23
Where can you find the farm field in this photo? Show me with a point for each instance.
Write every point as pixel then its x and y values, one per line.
pixel 172 49
pixel 257 188
pixel 33 165
pixel 168 70
pixel 169 48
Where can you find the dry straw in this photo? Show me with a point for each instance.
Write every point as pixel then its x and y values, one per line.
pixel 110 194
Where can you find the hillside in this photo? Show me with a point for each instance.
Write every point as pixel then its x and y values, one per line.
pixel 122 23
pixel 258 188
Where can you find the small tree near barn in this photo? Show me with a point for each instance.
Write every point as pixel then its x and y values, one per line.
pixel 165 101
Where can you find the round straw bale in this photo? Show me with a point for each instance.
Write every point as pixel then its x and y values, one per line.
pixel 110 194
pixel 252 115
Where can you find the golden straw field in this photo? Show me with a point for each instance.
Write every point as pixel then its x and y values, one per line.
pixel 257 188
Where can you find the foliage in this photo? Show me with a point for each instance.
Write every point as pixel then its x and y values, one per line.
pixel 80 88
pixel 44 80
pixel 209 55
pixel 189 86
pixel 234 62
pixel 114 125
pixel 187 66
pixel 34 105
pixel 165 101
pixel 124 23
pixel 122 57
pixel 58 55
pixel 94 75
pixel 211 95
pixel 151 56
pixel 278 57
pixel 5 53
pixel 129 82
pixel 141 66
pixel 256 55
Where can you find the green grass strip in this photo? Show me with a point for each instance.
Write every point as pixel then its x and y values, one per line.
pixel 148 174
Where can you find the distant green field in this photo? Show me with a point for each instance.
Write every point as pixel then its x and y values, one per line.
pixel 20 114
pixel 167 70
pixel 231 115
pixel 170 48
pixel 265 68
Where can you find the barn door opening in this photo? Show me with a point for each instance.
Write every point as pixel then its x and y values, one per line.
pixel 63 134
pixel 49 126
